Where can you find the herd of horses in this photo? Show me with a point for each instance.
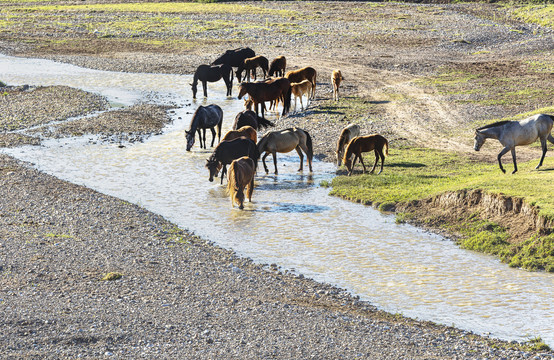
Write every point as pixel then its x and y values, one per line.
pixel 240 150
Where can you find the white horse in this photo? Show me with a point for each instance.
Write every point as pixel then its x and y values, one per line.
pixel 514 133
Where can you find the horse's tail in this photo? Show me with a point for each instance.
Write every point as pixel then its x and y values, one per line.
pixel 309 145
pixel 386 146
pixel 286 102
pixel 264 122
pixel 313 84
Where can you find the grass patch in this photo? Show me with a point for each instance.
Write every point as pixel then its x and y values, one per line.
pixel 537 14
pixel 111 276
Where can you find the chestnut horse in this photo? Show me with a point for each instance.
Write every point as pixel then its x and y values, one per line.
pixel 260 92
pixel 277 66
pixel 212 73
pixel 336 78
pixel 247 131
pixel 299 89
pixel 361 144
pixel 305 73
pixel 205 117
pixel 240 178
pixel 347 134
pixel 234 58
pixel 285 141
pixel 249 118
pixel 251 64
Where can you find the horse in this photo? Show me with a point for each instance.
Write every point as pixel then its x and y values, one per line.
pixel 227 151
pixel 249 118
pixel 205 117
pixel 305 73
pixel 299 89
pixel 514 133
pixel 234 58
pixel 212 73
pixel 260 92
pixel 360 144
pixel 285 141
pixel 240 178
pixel 347 134
pixel 251 64
pixel 247 131
pixel 336 78
pixel 277 66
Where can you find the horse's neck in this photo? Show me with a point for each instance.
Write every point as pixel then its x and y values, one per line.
pixel 195 121
pixel 492 133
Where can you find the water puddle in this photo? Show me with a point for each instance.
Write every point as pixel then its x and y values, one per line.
pixel 292 221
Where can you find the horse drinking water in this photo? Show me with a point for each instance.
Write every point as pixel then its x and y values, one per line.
pixel 205 117
pixel 514 133
pixel 347 134
pixel 360 144
pixel 212 73
pixel 285 141
pixel 227 151
pixel 240 178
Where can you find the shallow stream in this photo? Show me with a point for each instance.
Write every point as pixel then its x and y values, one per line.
pixel 292 221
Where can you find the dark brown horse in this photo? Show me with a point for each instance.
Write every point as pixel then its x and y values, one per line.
pixel 260 92
pixel 212 73
pixel 235 58
pixel 241 178
pixel 250 65
pixel 305 73
pixel 361 144
pixel 205 117
pixel 285 141
pixel 249 118
pixel 227 151
pixel 277 66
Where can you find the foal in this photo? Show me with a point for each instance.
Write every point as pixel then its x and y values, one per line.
pixel 299 89
pixel 367 143
pixel 251 64
pixel 336 78
pixel 241 177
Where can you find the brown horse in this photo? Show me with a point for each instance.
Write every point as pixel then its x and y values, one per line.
pixel 305 73
pixel 285 141
pixel 246 131
pixel 347 134
pixel 249 118
pixel 250 65
pixel 212 73
pixel 336 78
pixel 277 66
pixel 367 143
pixel 300 89
pixel 240 177
pixel 260 92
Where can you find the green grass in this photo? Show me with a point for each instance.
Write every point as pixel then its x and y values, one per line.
pixel 538 14
pixel 417 173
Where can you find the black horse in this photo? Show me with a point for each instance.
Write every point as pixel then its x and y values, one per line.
pixel 227 151
pixel 249 118
pixel 212 73
pixel 205 117
pixel 235 57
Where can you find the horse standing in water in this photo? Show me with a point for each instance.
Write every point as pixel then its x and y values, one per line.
pixel 241 178
pixel 347 134
pixel 250 65
pixel 205 117
pixel 249 118
pixel 247 131
pixel 367 143
pixel 285 141
pixel 234 58
pixel 227 151
pixel 260 92
pixel 514 133
pixel 212 73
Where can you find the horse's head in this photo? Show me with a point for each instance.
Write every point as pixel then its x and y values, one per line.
pixel 214 166
pixel 339 157
pixel 194 89
pixel 348 164
pixel 479 140
pixel 190 139
pixel 242 90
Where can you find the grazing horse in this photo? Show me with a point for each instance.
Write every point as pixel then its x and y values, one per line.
pixel 234 58
pixel 336 78
pixel 249 118
pixel 299 89
pixel 260 92
pixel 305 73
pixel 205 117
pixel 247 131
pixel 212 73
pixel 514 133
pixel 277 66
pixel 240 178
pixel 251 64
pixel 226 152
pixel 367 143
pixel 285 141
pixel 347 134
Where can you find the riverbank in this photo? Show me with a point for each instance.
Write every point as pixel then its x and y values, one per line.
pixel 179 296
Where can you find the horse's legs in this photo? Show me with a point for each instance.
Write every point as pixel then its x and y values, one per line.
pixel 213 136
pixel 362 162
pixel 504 151
pixel 305 149
pixel 544 148
pixel 250 189
pixel 275 162
pixel 199 131
pixel 223 173
pixel 263 162
pixel 382 161
pixel 301 157
pixel 376 160
pixel 514 159
pixel 205 87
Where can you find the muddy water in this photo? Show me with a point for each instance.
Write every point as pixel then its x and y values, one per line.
pixel 292 221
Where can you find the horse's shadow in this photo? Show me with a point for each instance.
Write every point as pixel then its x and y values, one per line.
pixel 278 207
pixel 405 164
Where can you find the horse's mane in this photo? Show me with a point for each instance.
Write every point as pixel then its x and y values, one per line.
pixel 342 139
pixel 498 123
